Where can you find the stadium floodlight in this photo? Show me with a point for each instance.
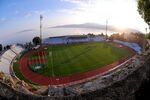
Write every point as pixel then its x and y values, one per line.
pixel 146 29
pixel 41 17
pixel 106 26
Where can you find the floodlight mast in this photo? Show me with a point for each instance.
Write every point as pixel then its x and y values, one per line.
pixel 41 17
pixel 145 32
pixel 106 26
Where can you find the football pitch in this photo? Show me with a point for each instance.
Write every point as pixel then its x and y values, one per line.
pixel 63 60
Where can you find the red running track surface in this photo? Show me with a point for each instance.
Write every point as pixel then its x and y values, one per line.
pixel 43 80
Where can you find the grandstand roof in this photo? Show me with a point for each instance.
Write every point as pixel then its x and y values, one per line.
pixel 77 37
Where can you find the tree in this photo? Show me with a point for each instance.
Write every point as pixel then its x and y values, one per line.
pixel 1 47
pixel 144 10
pixel 8 47
pixel 148 36
pixel 90 34
pixel 36 41
pixel 102 34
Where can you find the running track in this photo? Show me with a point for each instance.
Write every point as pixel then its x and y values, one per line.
pixel 42 80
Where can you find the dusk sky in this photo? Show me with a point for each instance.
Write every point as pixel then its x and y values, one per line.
pixel 19 17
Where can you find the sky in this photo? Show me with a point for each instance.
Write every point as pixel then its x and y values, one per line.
pixel 20 18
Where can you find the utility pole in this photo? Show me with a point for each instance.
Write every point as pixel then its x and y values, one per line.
pixel 41 17
pixel 106 26
pixel 146 32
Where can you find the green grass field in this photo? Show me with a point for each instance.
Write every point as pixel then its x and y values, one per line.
pixel 70 59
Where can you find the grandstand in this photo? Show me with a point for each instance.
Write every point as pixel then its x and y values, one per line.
pixel 7 57
pixel 77 39
pixel 73 39
pixel 16 49
pixel 134 46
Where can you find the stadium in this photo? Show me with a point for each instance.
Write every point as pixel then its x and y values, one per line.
pixel 69 67
pixel 76 59
pixel 74 55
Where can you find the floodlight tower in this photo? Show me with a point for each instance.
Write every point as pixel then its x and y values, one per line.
pixel 41 17
pixel 106 26
pixel 145 32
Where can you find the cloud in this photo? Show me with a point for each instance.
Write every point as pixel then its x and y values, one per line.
pixel 80 6
pixel 2 19
pixel 26 30
pixel 40 12
pixel 16 12
pixel 27 15
pixel 81 3
pixel 32 13
pixel 121 13
pixel 11 5
pixel 35 12
pixel 75 10
pixel 84 25
pixel 77 1
pixel 95 26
